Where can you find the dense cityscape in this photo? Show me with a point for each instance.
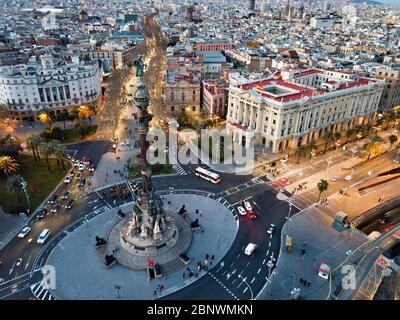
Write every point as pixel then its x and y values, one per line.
pixel 200 150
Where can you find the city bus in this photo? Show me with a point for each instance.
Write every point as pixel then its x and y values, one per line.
pixel 208 175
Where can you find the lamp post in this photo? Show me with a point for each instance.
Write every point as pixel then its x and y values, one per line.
pixel 248 286
pixel 24 186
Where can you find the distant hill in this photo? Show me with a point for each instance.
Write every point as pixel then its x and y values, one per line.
pixel 372 2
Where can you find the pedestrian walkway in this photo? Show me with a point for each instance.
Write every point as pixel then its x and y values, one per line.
pixel 40 292
pixel 173 160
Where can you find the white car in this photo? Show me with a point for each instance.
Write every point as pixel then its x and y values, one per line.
pixel 250 249
pixel 125 143
pixel 335 178
pixel 43 236
pixel 76 163
pixel 24 232
pixel 348 178
pixel 81 167
pixel 270 264
pixel 68 179
pixel 271 228
pixel 247 205
pixel 241 211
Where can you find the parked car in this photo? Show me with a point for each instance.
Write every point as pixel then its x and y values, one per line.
pixel 250 249
pixel 65 195
pixel 348 178
pixel 69 204
pixel 24 232
pixel 125 143
pixel 271 228
pixel 68 179
pixel 43 236
pixel 241 211
pixel 248 206
pixel 251 215
pixel 335 178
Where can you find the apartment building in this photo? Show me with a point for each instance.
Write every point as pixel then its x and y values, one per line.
pixel 391 93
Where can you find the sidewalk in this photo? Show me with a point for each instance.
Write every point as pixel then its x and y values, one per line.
pixel 104 174
pixel 326 240
pixel 10 226
pixel 92 281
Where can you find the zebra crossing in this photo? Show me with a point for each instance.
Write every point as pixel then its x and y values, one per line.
pixel 40 292
pixel 172 157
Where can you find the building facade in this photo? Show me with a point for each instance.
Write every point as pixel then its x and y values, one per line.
pixel 27 90
pixel 214 97
pixel 301 106
pixel 391 93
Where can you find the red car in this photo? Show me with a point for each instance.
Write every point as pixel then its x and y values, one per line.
pixel 251 215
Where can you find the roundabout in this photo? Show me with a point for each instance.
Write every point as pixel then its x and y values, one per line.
pixel 81 275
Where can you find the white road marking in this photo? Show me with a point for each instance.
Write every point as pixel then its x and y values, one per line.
pixel 269 244
pixel 259 270
pixel 253 280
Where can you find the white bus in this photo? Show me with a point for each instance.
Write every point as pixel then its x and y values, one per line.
pixel 208 175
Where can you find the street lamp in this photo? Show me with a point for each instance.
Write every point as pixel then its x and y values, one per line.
pixel 24 186
pixel 248 286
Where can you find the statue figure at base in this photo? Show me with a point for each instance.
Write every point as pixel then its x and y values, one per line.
pixel 143 231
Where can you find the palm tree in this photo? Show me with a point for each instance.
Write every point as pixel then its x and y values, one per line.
pixel 349 134
pixel 47 149
pixel 14 184
pixel 301 151
pixel 392 139
pixel 322 187
pixel 368 129
pixel 329 136
pixel 8 165
pixel 32 143
pixel 10 146
pixel 45 118
pixel 86 112
pixel 389 117
pixel 59 151
pixel 63 117
pixel 373 145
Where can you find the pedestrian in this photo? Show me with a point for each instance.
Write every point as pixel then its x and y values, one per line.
pixel 206 256
pixel 212 257
pixel 155 293
pixel 184 275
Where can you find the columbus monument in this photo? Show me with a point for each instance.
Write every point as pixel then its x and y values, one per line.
pixel 149 233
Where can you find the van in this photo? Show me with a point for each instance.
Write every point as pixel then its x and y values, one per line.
pixel 250 249
pixel 43 236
